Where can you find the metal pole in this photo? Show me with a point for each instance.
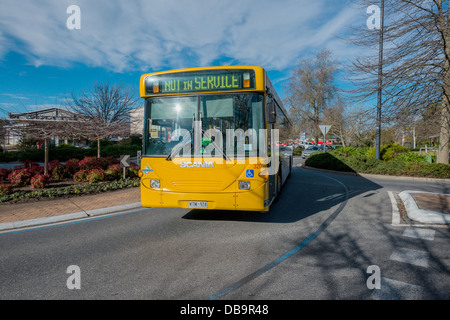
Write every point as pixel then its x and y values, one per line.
pixel 380 84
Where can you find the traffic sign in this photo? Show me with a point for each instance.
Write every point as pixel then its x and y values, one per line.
pixel 125 161
pixel 324 129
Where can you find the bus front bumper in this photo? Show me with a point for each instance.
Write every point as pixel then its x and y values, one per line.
pixel 242 200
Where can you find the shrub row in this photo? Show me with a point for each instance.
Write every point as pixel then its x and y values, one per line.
pixel 397 161
pixel 89 169
pixel 68 190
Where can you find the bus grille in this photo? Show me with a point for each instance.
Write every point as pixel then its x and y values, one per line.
pixel 198 185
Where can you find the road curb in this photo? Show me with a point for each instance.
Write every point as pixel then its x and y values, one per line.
pixel 379 176
pixel 67 217
pixel 404 178
pixel 346 173
pixel 415 213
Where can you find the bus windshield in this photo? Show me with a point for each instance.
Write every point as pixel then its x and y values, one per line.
pixel 170 121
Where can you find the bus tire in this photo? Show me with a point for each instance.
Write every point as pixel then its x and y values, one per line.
pixel 278 186
pixel 290 166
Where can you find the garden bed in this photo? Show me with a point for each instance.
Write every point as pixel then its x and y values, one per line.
pixel 65 190
pixel 76 177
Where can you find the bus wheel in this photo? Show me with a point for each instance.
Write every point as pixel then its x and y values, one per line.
pixel 279 185
pixel 290 166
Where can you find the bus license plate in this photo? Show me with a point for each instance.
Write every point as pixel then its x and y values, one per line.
pixel 198 204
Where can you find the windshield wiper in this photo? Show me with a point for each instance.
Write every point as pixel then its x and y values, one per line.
pixel 216 147
pixel 179 146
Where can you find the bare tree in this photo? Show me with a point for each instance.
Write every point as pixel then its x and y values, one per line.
pixel 44 130
pixel 428 125
pixel 105 110
pixel 416 63
pixel 311 88
pixel 336 117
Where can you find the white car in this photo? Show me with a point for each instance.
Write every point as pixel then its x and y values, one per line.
pixel 306 144
pixel 310 150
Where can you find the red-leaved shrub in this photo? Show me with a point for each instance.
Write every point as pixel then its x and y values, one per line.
pixel 96 175
pixel 5 189
pixel 72 166
pixel 40 181
pixel 59 172
pixel 20 177
pixel 114 172
pixel 89 163
pixel 80 176
pixel 4 173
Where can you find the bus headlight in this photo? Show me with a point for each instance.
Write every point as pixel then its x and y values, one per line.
pixel 244 185
pixel 155 184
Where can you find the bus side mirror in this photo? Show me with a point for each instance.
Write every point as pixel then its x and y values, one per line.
pixel 272 114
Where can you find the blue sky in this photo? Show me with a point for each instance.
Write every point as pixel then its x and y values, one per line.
pixel 42 60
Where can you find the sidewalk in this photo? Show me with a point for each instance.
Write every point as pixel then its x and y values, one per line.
pixel 39 212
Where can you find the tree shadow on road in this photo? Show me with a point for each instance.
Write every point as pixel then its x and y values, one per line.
pixel 304 194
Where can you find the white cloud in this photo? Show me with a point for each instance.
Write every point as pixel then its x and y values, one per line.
pixel 15 96
pixel 7 105
pixel 151 35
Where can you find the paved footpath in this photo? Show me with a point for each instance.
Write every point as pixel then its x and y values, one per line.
pixel 435 202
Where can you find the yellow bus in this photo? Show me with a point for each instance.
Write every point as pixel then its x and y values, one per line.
pixel 213 139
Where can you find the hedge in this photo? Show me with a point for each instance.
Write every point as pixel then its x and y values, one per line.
pixel 89 169
pixel 399 162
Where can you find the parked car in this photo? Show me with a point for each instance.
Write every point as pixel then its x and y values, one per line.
pixel 325 148
pixel 309 150
pixel 306 144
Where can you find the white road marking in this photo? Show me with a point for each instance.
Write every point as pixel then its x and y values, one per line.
pixel 419 233
pixel 411 256
pixel 397 290
pixel 395 212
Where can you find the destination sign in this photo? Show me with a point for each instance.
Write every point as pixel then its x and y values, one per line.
pixel 200 81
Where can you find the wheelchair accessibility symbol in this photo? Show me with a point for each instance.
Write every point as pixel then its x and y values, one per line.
pixel 250 173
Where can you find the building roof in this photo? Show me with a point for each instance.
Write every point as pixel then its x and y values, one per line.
pixel 51 114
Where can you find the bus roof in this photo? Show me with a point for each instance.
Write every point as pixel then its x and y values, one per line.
pixel 262 81
pixel 259 77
